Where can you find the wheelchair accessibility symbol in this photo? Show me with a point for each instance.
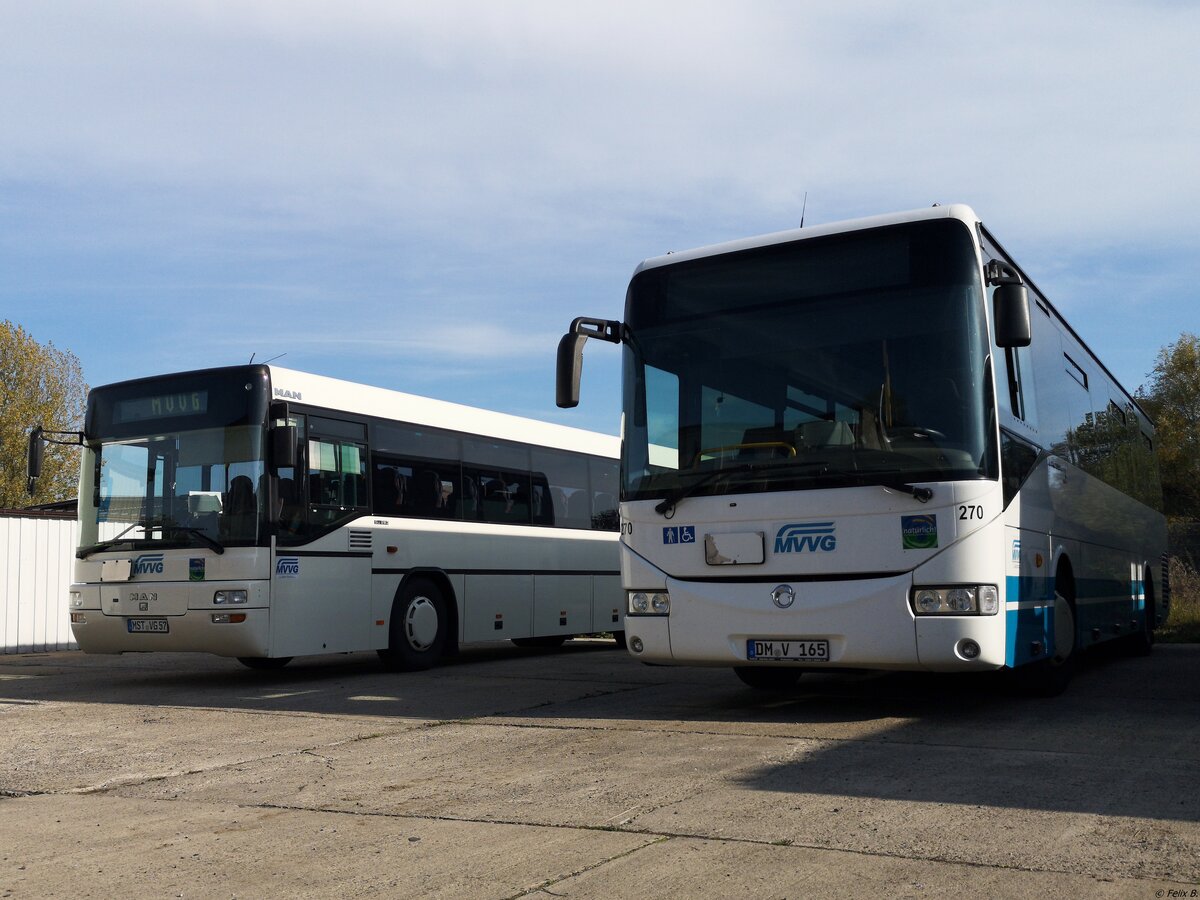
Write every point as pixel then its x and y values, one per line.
pixel 679 534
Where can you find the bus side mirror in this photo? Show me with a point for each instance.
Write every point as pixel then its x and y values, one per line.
pixel 37 448
pixel 1010 305
pixel 283 446
pixel 570 369
pixel 570 355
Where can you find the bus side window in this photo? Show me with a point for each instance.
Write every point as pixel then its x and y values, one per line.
pixel 500 470
pixel 288 512
pixel 390 490
pixel 337 480
pixel 291 508
pixel 1016 393
pixel 543 504
pixel 1019 459
pixel 565 476
pixel 605 514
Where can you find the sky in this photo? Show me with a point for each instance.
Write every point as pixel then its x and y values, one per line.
pixel 423 195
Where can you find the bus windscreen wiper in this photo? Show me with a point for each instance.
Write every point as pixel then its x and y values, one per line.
pixel 85 552
pixel 211 543
pixel 921 494
pixel 673 497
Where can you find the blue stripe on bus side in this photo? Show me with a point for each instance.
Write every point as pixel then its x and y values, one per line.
pixel 1109 607
pixel 1033 623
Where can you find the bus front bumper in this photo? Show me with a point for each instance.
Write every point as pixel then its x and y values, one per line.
pixel 195 630
pixel 860 624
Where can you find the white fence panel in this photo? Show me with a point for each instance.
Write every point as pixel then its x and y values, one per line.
pixel 36 555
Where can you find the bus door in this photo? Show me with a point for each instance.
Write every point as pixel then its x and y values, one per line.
pixel 321 589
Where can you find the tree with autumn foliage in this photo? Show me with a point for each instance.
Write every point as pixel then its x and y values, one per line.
pixel 39 385
pixel 1172 398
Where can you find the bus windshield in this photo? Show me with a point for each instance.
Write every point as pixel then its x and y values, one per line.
pixel 175 461
pixel 855 359
pixel 205 487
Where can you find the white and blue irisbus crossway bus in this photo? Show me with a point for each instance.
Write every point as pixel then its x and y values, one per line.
pixel 874 444
pixel 264 514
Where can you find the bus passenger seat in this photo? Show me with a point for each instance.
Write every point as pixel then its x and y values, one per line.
pixel 560 503
pixel 824 434
pixel 579 512
pixel 427 492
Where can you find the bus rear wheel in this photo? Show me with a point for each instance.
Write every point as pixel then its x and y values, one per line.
pixel 768 679
pixel 417 633
pixel 1141 643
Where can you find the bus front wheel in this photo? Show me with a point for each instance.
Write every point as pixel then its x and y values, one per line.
pixel 417 632
pixel 1050 677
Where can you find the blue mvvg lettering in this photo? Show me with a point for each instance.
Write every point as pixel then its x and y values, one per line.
pixel 148 565
pixel 810 537
pixel 287 567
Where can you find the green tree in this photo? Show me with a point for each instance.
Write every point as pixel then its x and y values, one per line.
pixel 1172 398
pixel 39 385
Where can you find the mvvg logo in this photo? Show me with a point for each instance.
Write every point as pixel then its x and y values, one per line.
pixel 149 564
pixel 811 536
pixel 287 567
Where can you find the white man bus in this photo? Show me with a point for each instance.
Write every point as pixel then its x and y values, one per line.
pixel 262 513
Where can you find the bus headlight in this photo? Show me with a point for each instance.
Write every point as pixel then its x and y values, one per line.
pixel 970 600
pixel 648 603
pixel 224 598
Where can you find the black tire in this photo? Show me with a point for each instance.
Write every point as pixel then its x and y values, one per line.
pixel 1141 643
pixel 264 663
pixel 548 642
pixel 768 678
pixel 1050 677
pixel 417 633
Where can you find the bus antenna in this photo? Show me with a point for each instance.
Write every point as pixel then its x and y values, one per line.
pixel 803 208
pixel 264 362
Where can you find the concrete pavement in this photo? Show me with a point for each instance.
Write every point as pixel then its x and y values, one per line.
pixel 580 773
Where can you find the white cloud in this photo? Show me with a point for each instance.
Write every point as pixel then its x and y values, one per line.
pixel 460 110
pixel 456 180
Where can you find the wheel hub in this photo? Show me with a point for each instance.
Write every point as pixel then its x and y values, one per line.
pixel 421 623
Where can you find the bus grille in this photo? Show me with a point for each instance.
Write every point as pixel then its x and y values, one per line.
pixel 360 540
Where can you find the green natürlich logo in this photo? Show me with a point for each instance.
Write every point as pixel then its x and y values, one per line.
pixel 918 532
